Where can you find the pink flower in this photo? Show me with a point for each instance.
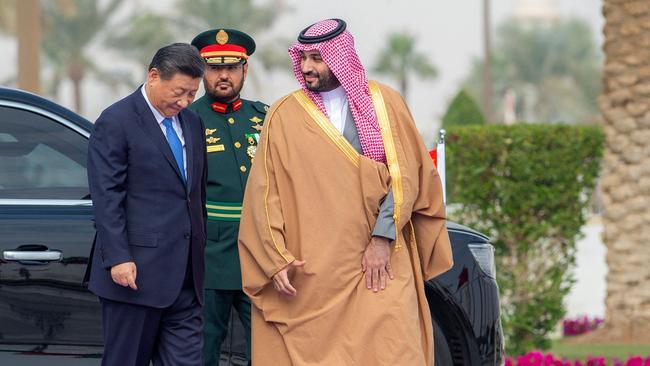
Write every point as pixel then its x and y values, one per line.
pixel 538 358
pixel 635 361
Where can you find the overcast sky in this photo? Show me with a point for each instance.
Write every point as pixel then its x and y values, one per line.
pixel 448 32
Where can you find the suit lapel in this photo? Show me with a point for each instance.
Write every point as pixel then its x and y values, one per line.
pixel 152 130
pixel 189 143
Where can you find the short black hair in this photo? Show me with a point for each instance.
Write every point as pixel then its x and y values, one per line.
pixel 178 58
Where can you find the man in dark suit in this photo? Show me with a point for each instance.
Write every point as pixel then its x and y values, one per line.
pixel 147 172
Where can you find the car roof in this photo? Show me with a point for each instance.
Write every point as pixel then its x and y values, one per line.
pixel 23 97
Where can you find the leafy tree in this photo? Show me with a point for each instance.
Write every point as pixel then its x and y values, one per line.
pixel 462 110
pixel 554 70
pixel 400 58
pixel 70 29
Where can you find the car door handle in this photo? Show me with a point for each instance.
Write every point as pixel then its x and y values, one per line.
pixel 20 255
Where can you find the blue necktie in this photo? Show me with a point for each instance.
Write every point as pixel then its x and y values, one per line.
pixel 175 144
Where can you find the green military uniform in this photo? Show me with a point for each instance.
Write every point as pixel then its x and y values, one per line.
pixel 231 138
pixel 231 134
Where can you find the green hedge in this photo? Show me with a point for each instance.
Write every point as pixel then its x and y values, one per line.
pixel 528 187
pixel 462 111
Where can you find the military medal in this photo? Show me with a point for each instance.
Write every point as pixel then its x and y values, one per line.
pixel 251 150
pixel 252 139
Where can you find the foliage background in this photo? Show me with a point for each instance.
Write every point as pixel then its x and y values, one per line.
pixel 528 187
pixel 463 110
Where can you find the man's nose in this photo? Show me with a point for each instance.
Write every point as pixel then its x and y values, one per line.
pixel 306 67
pixel 223 75
pixel 184 102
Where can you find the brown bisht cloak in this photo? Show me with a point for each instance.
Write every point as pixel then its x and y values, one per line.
pixel 311 196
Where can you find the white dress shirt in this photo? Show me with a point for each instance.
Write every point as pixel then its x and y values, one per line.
pixel 336 104
pixel 175 124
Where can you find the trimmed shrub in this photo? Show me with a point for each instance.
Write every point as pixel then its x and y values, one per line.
pixel 527 186
pixel 462 110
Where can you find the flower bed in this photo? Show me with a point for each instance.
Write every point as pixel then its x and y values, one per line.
pixel 580 325
pixel 537 358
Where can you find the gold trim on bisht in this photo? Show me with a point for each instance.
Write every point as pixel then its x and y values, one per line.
pixel 391 154
pixel 327 127
pixel 268 184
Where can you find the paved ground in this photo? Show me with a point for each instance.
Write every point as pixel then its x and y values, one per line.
pixel 588 294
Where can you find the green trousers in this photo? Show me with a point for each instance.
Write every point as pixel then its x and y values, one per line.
pixel 217 308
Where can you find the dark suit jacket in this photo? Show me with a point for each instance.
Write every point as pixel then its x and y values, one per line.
pixel 144 212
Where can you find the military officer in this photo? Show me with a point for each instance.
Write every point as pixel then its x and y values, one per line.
pixel 232 130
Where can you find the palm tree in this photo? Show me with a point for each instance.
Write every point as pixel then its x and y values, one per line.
pixel 140 36
pixel 486 95
pixel 552 68
pixel 399 59
pixel 7 17
pixel 624 105
pixel 70 28
pixel 245 15
pixel 199 15
pixel 22 19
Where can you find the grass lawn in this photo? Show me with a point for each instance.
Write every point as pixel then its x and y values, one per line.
pixel 574 351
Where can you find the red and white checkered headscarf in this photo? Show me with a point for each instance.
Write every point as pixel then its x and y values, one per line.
pixel 342 59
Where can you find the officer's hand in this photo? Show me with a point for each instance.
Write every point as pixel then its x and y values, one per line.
pixel 124 274
pixel 376 263
pixel 281 279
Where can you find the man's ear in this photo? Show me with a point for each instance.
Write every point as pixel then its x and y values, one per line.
pixel 245 69
pixel 153 75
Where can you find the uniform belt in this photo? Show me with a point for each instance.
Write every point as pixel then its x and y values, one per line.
pixel 223 211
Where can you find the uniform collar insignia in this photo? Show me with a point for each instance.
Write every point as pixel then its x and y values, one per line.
pixel 226 108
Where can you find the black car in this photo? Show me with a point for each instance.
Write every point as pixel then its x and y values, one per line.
pixel 48 317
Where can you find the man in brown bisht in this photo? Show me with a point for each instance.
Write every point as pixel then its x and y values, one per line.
pixel 342 219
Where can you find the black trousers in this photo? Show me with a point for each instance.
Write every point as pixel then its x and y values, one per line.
pixel 136 334
pixel 216 313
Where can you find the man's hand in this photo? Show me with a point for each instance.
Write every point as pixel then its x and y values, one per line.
pixel 281 279
pixel 376 263
pixel 124 274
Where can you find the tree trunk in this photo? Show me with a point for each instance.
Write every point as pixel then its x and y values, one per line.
pixel 487 63
pixel 76 74
pixel 28 32
pixel 625 105
pixel 404 87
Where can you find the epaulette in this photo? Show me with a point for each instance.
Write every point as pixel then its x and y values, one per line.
pixel 260 107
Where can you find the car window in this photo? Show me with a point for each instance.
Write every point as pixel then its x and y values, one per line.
pixel 40 158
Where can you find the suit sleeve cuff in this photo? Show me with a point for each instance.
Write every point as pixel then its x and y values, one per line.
pixel 385 225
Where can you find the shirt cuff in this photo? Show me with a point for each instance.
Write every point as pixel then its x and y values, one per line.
pixel 385 225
